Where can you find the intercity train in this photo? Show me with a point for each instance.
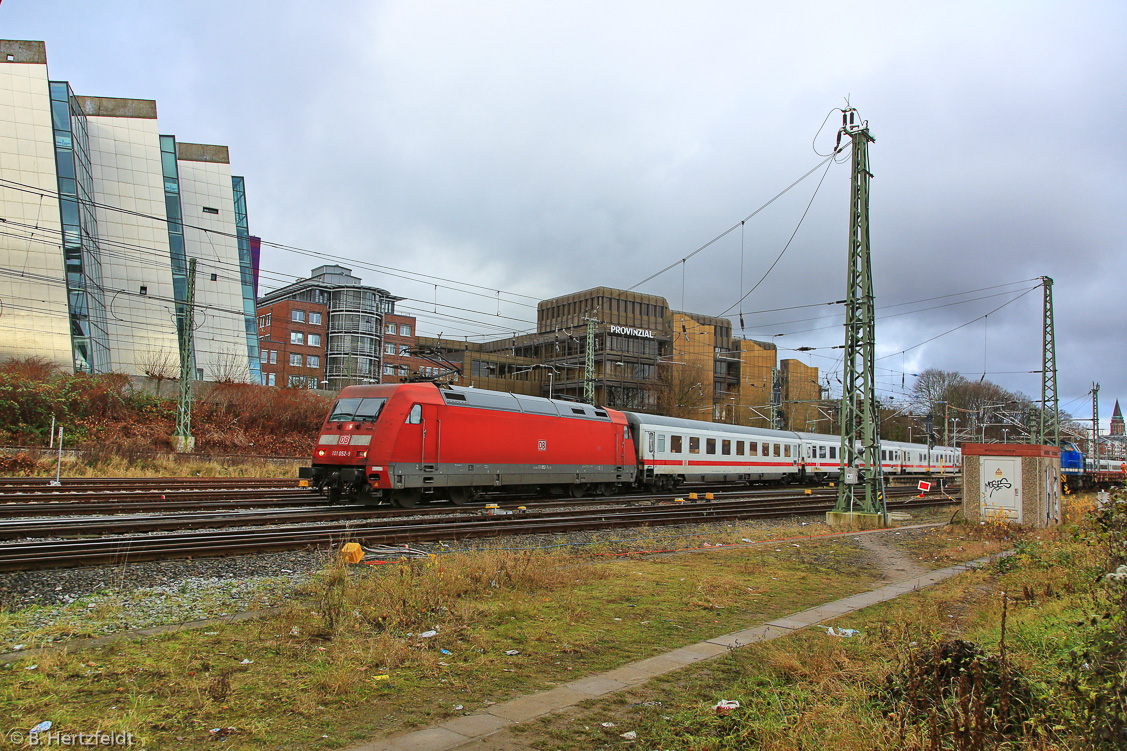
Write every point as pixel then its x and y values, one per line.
pixel 415 442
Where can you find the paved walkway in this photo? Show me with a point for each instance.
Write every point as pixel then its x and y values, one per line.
pixel 461 731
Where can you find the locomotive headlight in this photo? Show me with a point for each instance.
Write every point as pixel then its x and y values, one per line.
pixel 320 452
pixel 362 454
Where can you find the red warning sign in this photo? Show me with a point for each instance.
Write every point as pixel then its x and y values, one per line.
pixel 924 486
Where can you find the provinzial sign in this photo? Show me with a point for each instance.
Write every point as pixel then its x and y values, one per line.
pixel 628 331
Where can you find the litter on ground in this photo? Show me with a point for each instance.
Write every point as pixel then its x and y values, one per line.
pixel 725 706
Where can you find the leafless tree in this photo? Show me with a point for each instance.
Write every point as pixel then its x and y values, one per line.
pixel 230 366
pixel 680 390
pixel 160 364
pixel 933 388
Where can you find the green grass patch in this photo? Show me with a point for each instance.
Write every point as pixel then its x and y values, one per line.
pixel 313 676
pixel 1030 653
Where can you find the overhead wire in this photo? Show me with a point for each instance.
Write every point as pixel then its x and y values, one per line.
pixel 731 229
pixel 389 270
pixel 782 252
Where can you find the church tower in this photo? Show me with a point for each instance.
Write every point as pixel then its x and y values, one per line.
pixel 1117 420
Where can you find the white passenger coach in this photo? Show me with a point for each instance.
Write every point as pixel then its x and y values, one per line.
pixel 672 451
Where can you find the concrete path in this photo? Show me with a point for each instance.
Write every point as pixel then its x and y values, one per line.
pixel 462 731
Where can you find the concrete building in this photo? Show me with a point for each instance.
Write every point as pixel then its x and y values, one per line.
pixel 646 357
pixel 101 213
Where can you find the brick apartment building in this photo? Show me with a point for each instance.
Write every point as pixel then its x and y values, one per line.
pixel 292 337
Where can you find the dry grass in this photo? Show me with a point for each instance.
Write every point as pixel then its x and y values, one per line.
pixel 103 464
pixel 349 660
pixel 814 691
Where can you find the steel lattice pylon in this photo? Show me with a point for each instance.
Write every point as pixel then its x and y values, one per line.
pixel 860 441
pixel 1049 433
pixel 589 363
pixel 187 358
pixel 1096 427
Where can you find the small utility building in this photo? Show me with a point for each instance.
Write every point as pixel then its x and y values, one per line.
pixel 1017 482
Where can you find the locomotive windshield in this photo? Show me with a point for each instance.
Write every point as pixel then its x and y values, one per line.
pixel 357 410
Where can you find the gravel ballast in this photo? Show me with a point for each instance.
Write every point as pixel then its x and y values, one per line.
pixel 54 605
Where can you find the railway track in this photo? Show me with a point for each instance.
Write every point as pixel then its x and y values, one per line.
pixel 170 500
pixel 125 484
pixel 378 526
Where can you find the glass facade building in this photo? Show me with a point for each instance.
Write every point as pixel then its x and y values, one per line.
pixel 85 295
pixel 247 268
pixel 102 213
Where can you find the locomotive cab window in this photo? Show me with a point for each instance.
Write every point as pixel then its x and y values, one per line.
pixel 415 416
pixel 343 410
pixel 369 409
pixel 675 444
pixel 710 446
pixel 694 445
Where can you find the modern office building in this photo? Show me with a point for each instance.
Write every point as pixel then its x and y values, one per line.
pixel 101 214
pixel 358 337
pixel 644 357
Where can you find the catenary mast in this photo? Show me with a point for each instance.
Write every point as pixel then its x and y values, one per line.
pixel 860 439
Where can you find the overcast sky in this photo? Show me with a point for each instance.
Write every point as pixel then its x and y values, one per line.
pixel 537 149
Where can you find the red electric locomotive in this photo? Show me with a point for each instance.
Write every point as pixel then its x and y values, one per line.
pixel 413 442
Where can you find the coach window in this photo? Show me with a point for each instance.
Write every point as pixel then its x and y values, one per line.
pixel 821 452
pixel 739 448
pixel 710 446
pixel 694 445
pixel 651 437
pixel 415 416
pixel 833 452
pixel 786 449
pixel 726 448
pixel 778 451
pixel 661 443
pixel 675 444
pixel 752 448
